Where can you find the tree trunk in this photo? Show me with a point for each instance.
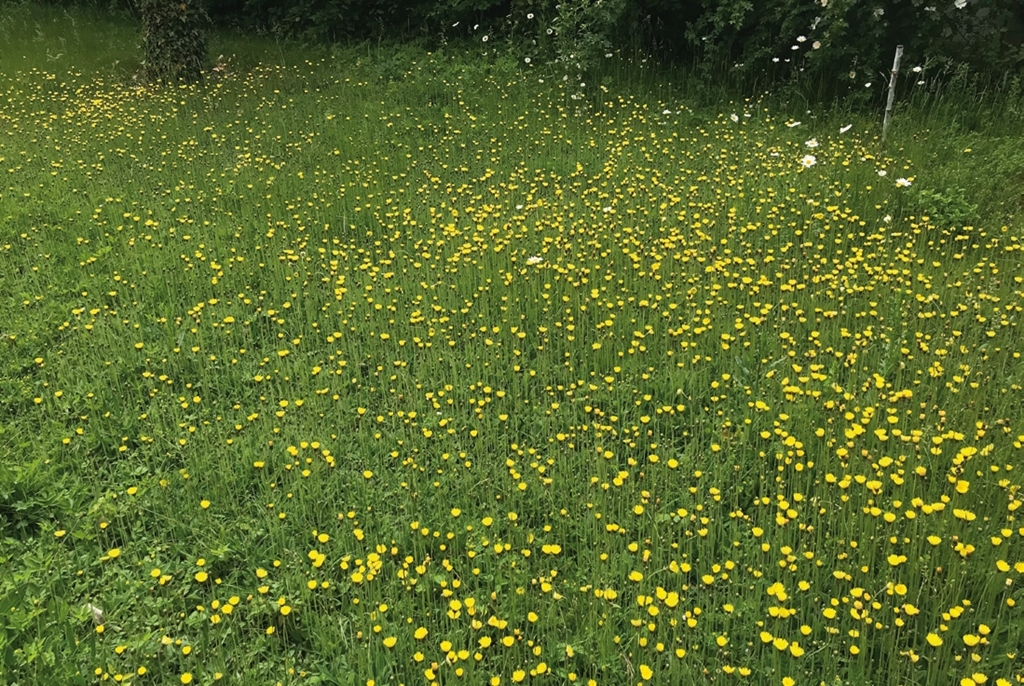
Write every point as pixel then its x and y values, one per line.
pixel 174 39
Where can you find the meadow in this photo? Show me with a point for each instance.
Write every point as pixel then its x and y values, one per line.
pixel 414 368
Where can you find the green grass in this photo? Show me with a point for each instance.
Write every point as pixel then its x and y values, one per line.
pixel 590 384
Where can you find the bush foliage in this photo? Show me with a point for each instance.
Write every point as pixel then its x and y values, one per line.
pixel 842 42
pixel 819 38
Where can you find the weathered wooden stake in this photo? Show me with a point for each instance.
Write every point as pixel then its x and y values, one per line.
pixel 892 91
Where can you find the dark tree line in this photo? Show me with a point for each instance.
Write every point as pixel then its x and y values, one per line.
pixel 828 39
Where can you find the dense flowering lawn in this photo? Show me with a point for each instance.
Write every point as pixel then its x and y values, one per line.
pixel 311 376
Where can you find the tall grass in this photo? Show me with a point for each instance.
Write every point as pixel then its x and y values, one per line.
pixel 433 368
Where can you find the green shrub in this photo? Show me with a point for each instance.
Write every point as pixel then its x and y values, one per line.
pixel 849 44
pixel 947 208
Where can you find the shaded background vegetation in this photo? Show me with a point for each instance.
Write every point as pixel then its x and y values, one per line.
pixel 833 46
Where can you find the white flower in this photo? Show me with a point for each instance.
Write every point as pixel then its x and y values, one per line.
pixel 879 12
pixel 526 59
pixel 734 117
pixel 606 210
pixel 887 218
pixel 813 143
pixel 867 85
pixel 550 31
pixel 808 161
pixel 882 172
pixel 667 112
pixel 917 69
pixel 530 15
pixel 519 207
pixel 536 259
pixel 902 183
pixel 795 47
pixel 960 4
pixel 485 39
pixel 816 44
pixel 801 39
pixel 455 24
pixel 793 124
pixel 97 614
pixel 846 128
pixel 775 59
pixel 607 54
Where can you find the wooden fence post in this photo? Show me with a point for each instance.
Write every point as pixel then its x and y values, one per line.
pixel 892 91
